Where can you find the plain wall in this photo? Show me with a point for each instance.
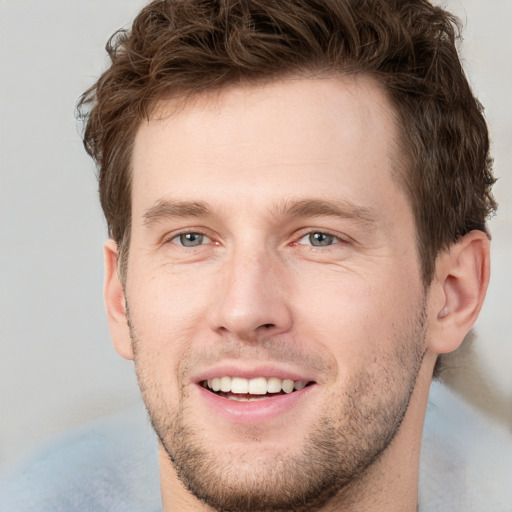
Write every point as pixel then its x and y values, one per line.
pixel 57 366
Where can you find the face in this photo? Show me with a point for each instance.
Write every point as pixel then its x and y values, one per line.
pixel 274 294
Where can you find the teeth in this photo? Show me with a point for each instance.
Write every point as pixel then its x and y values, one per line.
pixel 225 384
pixel 257 386
pixel 238 385
pixel 214 384
pixel 299 384
pixel 287 385
pixel 274 385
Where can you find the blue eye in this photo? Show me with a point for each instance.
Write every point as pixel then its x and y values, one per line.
pixel 319 239
pixel 190 239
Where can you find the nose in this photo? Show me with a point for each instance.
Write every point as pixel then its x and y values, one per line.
pixel 252 301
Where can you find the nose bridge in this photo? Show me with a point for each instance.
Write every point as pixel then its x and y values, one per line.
pixel 251 297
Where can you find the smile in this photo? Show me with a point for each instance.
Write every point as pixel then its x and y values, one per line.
pixel 245 390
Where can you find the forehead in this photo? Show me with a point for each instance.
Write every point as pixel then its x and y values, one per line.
pixel 289 138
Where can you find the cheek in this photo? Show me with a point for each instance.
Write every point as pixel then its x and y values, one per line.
pixel 166 313
pixel 357 318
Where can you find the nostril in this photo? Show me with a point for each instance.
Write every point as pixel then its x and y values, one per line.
pixel 268 326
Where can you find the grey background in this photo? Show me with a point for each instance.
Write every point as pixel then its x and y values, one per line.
pixel 57 366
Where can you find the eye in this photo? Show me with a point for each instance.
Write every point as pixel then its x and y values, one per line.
pixel 190 239
pixel 319 239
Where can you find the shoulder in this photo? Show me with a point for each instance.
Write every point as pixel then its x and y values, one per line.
pixel 466 458
pixel 109 465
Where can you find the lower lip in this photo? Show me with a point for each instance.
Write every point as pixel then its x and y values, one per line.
pixel 256 411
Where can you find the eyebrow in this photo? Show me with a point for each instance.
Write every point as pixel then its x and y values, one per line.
pixel 164 209
pixel 328 208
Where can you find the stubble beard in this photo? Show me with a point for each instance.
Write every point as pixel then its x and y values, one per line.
pixel 348 439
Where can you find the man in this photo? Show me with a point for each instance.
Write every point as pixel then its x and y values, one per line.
pixel 296 195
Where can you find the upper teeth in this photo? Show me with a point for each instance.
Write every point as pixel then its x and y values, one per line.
pixel 257 386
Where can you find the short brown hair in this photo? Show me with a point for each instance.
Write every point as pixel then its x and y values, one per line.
pixel 184 47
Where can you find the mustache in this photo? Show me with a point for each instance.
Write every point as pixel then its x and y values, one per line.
pixel 264 350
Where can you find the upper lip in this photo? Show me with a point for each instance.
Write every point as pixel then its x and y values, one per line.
pixel 248 371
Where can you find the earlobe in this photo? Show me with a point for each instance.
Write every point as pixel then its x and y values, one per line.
pixel 462 277
pixel 115 302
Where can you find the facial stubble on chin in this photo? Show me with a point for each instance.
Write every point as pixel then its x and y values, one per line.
pixel 347 439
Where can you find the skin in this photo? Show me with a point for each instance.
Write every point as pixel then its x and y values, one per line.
pixel 256 170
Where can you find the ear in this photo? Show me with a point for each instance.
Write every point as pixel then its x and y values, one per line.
pixel 116 303
pixel 458 291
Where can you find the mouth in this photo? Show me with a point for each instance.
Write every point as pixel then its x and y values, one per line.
pixel 249 390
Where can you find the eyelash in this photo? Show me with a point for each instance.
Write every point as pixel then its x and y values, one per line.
pixel 175 236
pixel 335 239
